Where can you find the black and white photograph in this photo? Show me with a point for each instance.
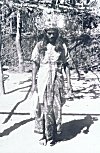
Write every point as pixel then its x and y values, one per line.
pixel 49 76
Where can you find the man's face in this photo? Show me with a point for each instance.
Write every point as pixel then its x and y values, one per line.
pixel 52 35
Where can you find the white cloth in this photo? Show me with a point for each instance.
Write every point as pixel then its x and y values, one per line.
pixel 48 66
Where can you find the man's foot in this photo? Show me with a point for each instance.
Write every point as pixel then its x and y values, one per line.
pixel 43 141
pixel 52 142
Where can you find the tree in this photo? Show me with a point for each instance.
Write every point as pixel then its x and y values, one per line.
pixel 1 72
pixel 78 20
pixel 18 42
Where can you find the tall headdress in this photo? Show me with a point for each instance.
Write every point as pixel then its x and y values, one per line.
pixel 50 19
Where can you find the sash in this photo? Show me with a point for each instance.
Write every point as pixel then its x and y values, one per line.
pixel 47 69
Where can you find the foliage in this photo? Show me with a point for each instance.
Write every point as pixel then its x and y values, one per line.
pixel 79 32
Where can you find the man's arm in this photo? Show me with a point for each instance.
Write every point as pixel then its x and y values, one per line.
pixel 34 73
pixel 35 66
pixel 67 71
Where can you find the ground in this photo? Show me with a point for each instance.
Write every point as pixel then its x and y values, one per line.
pixel 17 125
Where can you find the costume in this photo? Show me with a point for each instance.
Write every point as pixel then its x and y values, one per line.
pixel 50 83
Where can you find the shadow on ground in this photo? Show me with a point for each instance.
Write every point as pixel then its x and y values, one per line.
pixel 14 127
pixel 18 89
pixel 73 128
pixel 15 107
pixel 69 130
pixel 92 91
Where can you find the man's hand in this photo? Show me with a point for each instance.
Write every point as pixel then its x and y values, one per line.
pixel 33 88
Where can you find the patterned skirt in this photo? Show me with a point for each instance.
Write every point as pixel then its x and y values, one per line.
pixel 48 115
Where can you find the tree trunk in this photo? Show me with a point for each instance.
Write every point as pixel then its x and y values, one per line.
pixel 18 42
pixel 11 26
pixel 1 80
pixel 1 72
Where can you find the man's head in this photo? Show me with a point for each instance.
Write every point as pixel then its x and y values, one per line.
pixel 52 35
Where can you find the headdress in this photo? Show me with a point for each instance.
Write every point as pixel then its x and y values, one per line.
pixel 50 19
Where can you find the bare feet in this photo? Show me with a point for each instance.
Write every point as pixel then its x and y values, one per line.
pixel 52 142
pixel 43 141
